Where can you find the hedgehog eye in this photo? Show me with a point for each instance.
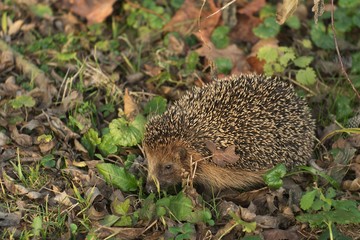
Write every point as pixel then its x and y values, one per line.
pixel 168 167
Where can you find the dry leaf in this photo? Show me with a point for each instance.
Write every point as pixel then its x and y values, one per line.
pixel 95 11
pixel 23 140
pixel 252 59
pixel 279 234
pixel 243 31
pixel 10 219
pixel 285 10
pixel 15 27
pixel 252 7
pixel 185 20
pixel 131 109
pixel 352 185
pixel 318 9
pixel 232 52
pixel 222 157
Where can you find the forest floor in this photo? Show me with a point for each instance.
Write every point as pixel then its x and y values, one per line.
pixel 79 80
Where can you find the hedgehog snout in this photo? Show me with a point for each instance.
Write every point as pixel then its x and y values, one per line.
pixel 150 186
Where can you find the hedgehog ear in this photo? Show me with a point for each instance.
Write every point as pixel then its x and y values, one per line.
pixel 182 153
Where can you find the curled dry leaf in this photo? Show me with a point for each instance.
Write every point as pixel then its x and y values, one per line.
pixel 318 9
pixel 15 27
pixel 61 130
pixel 63 198
pixel 247 214
pixel 226 207
pixel 32 124
pixel 352 185
pixel 96 215
pixel 131 109
pixel 46 147
pixel 222 157
pixel 9 88
pixel 285 10
pixel 23 140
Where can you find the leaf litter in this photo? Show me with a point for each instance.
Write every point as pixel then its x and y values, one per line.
pixel 57 148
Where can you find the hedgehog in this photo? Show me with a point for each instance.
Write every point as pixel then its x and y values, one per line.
pixel 261 118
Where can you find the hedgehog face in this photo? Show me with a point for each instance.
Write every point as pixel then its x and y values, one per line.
pixel 165 167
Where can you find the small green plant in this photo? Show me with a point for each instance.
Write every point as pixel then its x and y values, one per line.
pixel 322 210
pixel 279 59
pixel 182 232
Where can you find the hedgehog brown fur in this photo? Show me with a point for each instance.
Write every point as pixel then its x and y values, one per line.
pixel 261 116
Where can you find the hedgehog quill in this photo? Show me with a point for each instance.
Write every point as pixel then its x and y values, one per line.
pixel 261 118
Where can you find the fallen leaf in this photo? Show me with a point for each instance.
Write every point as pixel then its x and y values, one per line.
pixel 252 7
pixel 185 20
pixel 285 10
pixel 4 139
pixel 15 27
pixel 279 234
pixel 10 219
pixel 243 30
pixel 256 64
pixel 131 109
pixel 23 140
pixel 351 185
pixel 232 52
pixel 318 9
pixel 222 157
pixel 95 11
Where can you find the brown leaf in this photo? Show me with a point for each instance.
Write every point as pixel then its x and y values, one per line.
pixel 232 52
pixel 15 27
pixel 243 30
pixel 95 11
pixel 131 109
pixel 352 185
pixel 318 9
pixel 253 7
pixel 21 139
pixel 285 10
pixel 279 234
pixel 256 64
pixel 4 139
pixel 45 147
pixel 186 18
pixel 222 157
pixel 10 219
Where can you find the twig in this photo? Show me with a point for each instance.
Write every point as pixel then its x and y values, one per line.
pixel 338 51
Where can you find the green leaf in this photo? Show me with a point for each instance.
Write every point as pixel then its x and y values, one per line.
pixel 269 28
pixel 176 3
pixel 343 107
pixel 23 100
pixel 41 10
pixel 4 23
pixel 223 65
pixel 307 199
pixel 320 37
pixel 355 57
pixel 148 208
pixel 64 57
pixel 118 176
pixel 220 37
pixel 90 140
pixel 293 22
pixel 349 3
pixel 48 161
pixel 306 76
pixel 37 225
pixel 127 133
pixel 287 55
pixel 269 54
pixel 107 145
pixel 303 61
pixel 157 105
pixel 109 220
pixel 180 206
pixel 273 178
pixel 192 59
pixel 125 221
pixel 121 208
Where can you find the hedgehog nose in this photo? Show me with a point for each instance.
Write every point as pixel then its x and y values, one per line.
pixel 150 187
